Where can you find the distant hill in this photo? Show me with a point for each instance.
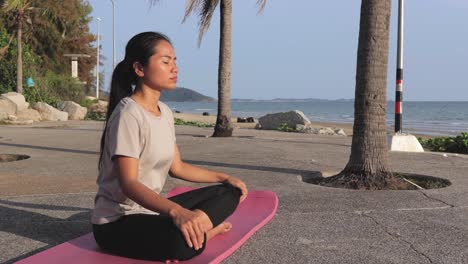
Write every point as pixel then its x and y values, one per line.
pixel 181 94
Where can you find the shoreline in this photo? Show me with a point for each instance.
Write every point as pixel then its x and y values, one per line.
pixel 347 127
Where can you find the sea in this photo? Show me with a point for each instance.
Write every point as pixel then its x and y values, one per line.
pixel 429 118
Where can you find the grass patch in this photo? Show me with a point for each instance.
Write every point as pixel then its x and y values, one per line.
pixel 285 128
pixel 181 122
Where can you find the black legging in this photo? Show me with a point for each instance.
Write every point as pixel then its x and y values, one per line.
pixel 155 237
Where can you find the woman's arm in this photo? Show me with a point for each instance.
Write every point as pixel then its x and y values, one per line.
pixel 185 171
pixel 187 221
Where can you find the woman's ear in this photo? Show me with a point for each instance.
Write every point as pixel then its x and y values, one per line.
pixel 138 68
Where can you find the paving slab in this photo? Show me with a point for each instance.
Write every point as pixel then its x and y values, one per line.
pixel 47 199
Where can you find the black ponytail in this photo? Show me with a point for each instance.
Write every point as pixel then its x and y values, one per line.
pixel 139 49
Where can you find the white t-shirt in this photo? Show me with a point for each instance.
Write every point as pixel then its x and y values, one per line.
pixel 133 132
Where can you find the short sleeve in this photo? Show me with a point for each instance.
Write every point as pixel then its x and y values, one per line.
pixel 124 136
pixel 170 119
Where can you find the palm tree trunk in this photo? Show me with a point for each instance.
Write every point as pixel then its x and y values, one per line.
pixel 368 166
pixel 19 71
pixel 224 126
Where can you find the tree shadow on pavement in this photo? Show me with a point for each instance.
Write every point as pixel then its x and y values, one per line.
pixel 22 219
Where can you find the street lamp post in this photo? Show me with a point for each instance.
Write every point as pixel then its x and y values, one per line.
pixel 97 57
pixel 113 34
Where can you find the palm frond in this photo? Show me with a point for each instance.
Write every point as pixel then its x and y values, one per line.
pixel 261 5
pixel 205 10
pixel 190 7
pixel 153 2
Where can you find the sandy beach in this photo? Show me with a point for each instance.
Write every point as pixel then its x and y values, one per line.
pixel 211 119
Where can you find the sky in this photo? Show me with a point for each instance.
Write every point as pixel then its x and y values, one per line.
pixel 300 49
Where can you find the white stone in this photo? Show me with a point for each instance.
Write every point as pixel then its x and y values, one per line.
pixel 19 122
pixel 3 115
pixel 49 113
pixel 29 114
pixel 292 119
pixel 99 107
pixel 12 118
pixel 74 110
pixel 404 142
pixel 17 99
pixel 340 132
pixel 7 106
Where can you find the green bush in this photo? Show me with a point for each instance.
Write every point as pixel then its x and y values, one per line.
pixel 458 144
pixel 95 116
pixel 88 102
pixel 34 95
pixel 64 87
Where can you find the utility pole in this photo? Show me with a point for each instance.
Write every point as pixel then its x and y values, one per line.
pixel 97 57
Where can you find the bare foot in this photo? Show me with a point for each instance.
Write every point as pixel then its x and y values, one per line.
pixel 220 229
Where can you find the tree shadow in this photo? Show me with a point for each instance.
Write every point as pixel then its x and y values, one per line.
pixel 40 227
pixel 249 167
pixel 50 148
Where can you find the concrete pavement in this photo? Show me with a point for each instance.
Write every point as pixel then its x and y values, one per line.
pixel 46 200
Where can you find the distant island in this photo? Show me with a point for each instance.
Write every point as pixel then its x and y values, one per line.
pixel 181 94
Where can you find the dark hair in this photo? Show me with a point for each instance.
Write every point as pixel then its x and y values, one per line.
pixel 139 49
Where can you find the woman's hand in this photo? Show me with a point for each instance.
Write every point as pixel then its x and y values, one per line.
pixel 191 225
pixel 238 184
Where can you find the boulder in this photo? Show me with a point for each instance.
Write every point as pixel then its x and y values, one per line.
pixel 206 114
pixel 292 118
pixel 99 107
pixel 17 99
pixel 320 130
pixel 50 113
pixel 74 110
pixel 12 118
pixel 7 106
pixel 3 115
pixel 241 120
pixel 250 120
pixel 29 114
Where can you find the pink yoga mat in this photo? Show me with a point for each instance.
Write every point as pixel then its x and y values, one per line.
pixel 258 209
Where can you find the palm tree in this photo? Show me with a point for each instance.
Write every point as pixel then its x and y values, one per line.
pixel 368 166
pixel 206 8
pixel 20 10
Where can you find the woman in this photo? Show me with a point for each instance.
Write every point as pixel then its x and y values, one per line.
pixel 138 150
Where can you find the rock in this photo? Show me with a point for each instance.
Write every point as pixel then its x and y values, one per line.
pixel 3 115
pixel 7 106
pixel 12 118
pixel 340 132
pixel 178 112
pixel 241 120
pixel 74 110
pixel 258 126
pixel 250 120
pixel 90 98
pixel 292 118
pixel 99 107
pixel 19 122
pixel 17 99
pixel 49 113
pixel 206 113
pixel 29 114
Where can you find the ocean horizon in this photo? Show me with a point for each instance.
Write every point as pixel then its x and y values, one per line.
pixel 437 118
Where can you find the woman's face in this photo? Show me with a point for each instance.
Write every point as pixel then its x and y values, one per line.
pixel 161 71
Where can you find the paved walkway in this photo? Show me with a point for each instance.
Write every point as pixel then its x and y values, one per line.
pixel 46 199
